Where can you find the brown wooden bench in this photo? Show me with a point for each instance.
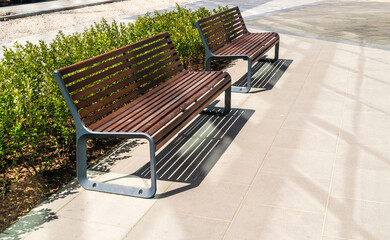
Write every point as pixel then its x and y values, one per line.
pixel 225 36
pixel 137 91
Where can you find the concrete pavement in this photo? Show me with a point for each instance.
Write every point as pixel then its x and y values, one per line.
pixel 304 155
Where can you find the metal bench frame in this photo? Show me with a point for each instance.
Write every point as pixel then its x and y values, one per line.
pixel 83 134
pixel 231 37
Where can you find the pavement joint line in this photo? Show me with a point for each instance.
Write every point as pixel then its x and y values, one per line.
pixel 333 168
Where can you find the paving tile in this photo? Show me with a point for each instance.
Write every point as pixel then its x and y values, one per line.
pixel 290 81
pixel 58 200
pixel 354 120
pixel 64 229
pixel 311 140
pixel 365 103
pixel 365 135
pixel 211 199
pixel 237 166
pixel 104 208
pixel 363 157
pixel 351 219
pixel 298 193
pixel 317 122
pixel 291 162
pixel 254 222
pixel 259 141
pixel 363 184
pixel 310 105
pixel 165 223
pixel 366 128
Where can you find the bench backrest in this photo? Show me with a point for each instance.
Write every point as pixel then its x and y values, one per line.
pixel 222 28
pixel 100 85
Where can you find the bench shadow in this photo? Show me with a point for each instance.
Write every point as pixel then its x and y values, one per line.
pixel 265 74
pixel 190 156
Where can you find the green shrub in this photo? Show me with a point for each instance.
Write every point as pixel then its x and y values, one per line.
pixel 35 123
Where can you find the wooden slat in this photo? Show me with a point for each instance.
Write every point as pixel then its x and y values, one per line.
pixel 177 124
pixel 105 122
pixel 244 44
pixel 217 15
pixel 119 58
pixel 130 72
pixel 247 44
pixel 191 95
pixel 102 57
pixel 140 110
pixel 109 100
pixel 111 71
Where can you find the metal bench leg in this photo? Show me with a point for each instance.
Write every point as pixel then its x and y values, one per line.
pixel 207 64
pixel 226 110
pixel 81 157
pixel 248 81
pixel 276 53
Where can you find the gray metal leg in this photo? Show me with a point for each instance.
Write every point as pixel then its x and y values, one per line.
pixel 207 64
pixel 109 187
pixel 226 110
pixel 276 53
pixel 248 81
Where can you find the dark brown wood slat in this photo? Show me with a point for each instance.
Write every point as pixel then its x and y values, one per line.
pixel 119 58
pixel 129 72
pixel 257 48
pixel 235 33
pixel 220 41
pixel 175 104
pixel 113 89
pixel 115 78
pixel 243 45
pixel 102 57
pixel 231 26
pixel 140 110
pixel 191 95
pixel 213 27
pixel 239 33
pixel 120 103
pixel 154 105
pixel 217 15
pixel 217 29
pixel 101 124
pixel 177 124
pixel 109 72
pixel 93 108
pixel 266 48
pixel 216 26
pixel 246 46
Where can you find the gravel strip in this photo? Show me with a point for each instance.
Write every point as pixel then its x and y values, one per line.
pixel 23 27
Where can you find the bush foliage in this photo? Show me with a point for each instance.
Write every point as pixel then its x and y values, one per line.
pixel 35 123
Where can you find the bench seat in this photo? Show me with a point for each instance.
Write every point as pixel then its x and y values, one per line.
pixel 156 109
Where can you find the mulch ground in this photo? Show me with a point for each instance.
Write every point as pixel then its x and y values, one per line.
pixel 26 191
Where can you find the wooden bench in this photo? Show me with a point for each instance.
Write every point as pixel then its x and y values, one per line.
pixel 137 91
pixel 225 36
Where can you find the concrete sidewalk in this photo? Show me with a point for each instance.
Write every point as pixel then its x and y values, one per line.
pixel 304 155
